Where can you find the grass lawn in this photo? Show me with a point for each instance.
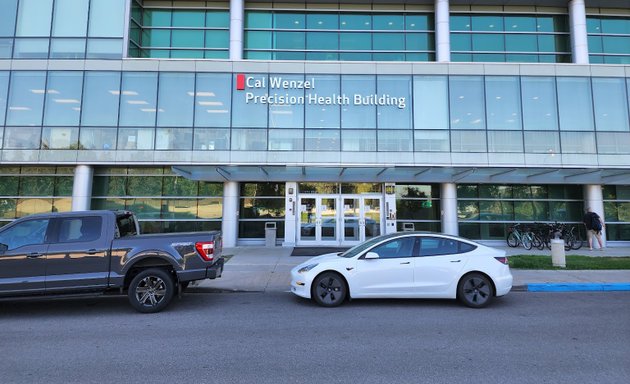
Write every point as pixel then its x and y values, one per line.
pixel 574 262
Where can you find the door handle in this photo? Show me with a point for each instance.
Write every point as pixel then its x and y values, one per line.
pixel 455 261
pixel 91 251
pixel 33 255
pixel 405 262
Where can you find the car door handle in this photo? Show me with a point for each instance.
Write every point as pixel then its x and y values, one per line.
pixel 455 261
pixel 91 251
pixel 34 255
pixel 405 262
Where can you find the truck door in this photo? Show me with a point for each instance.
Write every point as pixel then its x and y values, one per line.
pixel 78 259
pixel 23 257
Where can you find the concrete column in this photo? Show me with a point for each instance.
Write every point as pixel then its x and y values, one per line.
pixel 290 216
pixel 579 36
pixel 448 203
pixel 237 16
pixel 229 225
pixel 594 198
pixel 82 187
pixel 442 31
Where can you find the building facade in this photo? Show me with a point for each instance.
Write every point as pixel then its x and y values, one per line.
pixel 331 122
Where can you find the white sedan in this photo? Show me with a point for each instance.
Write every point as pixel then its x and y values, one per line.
pixel 406 265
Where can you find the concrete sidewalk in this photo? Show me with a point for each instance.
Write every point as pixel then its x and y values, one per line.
pixel 267 269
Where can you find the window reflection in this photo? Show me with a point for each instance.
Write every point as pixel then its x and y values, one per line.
pixel 467 102
pixel 102 93
pixel 138 99
pixel 176 99
pixel 63 98
pixel 26 98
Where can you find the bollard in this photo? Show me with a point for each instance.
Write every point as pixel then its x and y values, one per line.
pixel 558 258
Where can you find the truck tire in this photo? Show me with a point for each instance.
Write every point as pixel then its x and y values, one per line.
pixel 151 290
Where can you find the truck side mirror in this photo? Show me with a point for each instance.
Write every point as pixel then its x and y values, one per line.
pixel 3 248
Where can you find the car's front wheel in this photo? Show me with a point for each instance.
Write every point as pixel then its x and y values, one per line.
pixel 475 290
pixel 329 289
pixel 151 290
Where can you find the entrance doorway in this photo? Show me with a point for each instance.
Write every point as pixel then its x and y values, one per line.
pixel 338 220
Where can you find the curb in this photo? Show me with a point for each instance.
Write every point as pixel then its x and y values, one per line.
pixel 576 287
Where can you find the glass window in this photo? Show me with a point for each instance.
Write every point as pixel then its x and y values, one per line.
pixel 505 141
pixel 542 142
pixel 31 48
pixel 102 93
pixel 468 141
pixel 213 100
pixel 355 21
pixel 322 40
pixel 431 141
pixel 358 116
pixel 67 48
pixel 388 41
pixel 157 18
pixel 173 139
pixel 63 98
pixel 289 40
pixel 60 138
pixel 104 49
pixel 217 19
pixel 249 140
pixel 217 39
pixel 616 26
pixel 34 18
pixel 70 18
pixel 575 104
pixel 6 48
pixel 503 102
pixel 419 22
pixel 393 109
pixel 136 138
pixel 323 111
pixel 187 39
pixel 156 38
pixel 186 18
pixel 578 142
pixel 430 97
pixel 395 141
pixel 258 19
pixel 392 22
pixel 107 18
pixel 138 99
pixel 22 137
pixel 433 246
pixel 467 102
pixel 355 42
pixel 250 104
pixel 101 138
pixel 611 108
pixel 25 233
pixel 286 139
pixel 7 18
pixel 487 23
pixel 289 21
pixel 488 42
pixel 211 139
pixel 520 23
pixel 287 110
pixel 4 85
pixel 358 140
pixel 257 40
pixel 460 23
pixel 26 98
pixel 322 140
pixel 521 43
pixel 539 103
pixel 176 100
pixel 322 21
pixel 396 249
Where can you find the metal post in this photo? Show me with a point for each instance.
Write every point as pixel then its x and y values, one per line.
pixel 237 15
pixel 82 187
pixel 229 225
pixel 448 203
pixel 442 31
pixel 579 35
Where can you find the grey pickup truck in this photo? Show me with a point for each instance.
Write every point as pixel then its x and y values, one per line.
pixel 98 252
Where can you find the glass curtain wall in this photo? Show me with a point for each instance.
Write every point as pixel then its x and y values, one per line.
pixel 510 38
pixel 608 39
pixel 200 30
pixel 485 211
pixel 418 207
pixel 163 201
pixel 334 35
pixel 62 29
pixel 261 203
pixel 617 211
pixel 30 190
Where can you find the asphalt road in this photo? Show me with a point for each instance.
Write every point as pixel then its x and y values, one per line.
pixel 277 338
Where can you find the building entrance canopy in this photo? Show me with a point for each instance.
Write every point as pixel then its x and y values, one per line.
pixel 494 175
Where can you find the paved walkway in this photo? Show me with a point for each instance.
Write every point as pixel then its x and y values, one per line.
pixel 267 269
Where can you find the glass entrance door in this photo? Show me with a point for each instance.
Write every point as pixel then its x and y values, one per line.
pixel 318 220
pixel 361 219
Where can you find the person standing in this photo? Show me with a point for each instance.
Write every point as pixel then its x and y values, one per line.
pixel 594 225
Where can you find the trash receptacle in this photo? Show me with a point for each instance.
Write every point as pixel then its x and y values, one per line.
pixel 270 234
pixel 558 258
pixel 409 227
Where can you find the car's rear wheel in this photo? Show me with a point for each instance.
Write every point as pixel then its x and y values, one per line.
pixel 475 290
pixel 151 290
pixel 329 289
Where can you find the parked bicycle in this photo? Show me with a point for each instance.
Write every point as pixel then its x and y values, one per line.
pixel 517 237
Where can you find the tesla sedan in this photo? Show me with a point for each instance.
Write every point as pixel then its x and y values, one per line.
pixel 406 265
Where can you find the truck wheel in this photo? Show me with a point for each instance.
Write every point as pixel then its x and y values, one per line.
pixel 151 290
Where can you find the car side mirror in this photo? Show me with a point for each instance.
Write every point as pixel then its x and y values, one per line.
pixel 371 256
pixel 3 248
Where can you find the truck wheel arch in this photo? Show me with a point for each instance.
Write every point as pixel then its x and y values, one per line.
pixel 148 261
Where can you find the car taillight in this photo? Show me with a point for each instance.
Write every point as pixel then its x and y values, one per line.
pixel 205 249
pixel 502 260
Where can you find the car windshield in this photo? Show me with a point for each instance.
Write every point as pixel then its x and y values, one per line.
pixel 352 252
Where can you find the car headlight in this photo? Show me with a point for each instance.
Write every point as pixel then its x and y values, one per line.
pixel 307 268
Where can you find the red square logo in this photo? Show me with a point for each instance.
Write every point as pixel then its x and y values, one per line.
pixel 240 82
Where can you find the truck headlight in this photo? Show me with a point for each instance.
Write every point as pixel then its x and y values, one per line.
pixel 307 268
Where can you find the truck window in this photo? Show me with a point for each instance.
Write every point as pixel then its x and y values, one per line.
pixel 25 233
pixel 126 226
pixel 80 229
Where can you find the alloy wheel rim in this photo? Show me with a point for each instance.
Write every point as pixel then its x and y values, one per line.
pixel 329 290
pixel 151 291
pixel 476 291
